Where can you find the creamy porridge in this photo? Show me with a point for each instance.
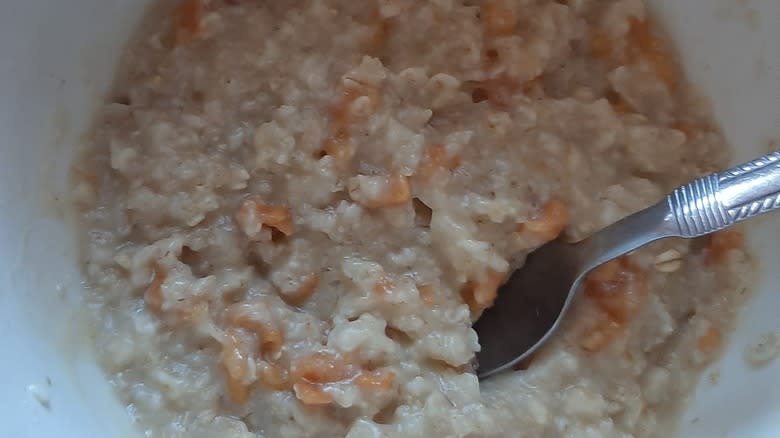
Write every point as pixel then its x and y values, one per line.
pixel 293 212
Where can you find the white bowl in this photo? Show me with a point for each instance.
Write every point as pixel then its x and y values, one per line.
pixel 57 61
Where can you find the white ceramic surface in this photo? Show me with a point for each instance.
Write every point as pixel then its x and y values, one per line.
pixel 56 60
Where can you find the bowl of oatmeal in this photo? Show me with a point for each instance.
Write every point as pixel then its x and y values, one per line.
pixel 281 219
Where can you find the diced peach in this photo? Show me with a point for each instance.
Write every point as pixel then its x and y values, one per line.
pixel 377 37
pixel 686 128
pixel 277 217
pixel 479 94
pixel 720 244
pixel 254 211
pixel 319 368
pixel 188 15
pixel 269 337
pixel 396 192
pixel 524 364
pixel 234 362
pixel 497 18
pixel 310 372
pixel 618 289
pixel 435 158
pixel 233 357
pixel 376 380
pixel 499 91
pixel 643 44
pixel 339 143
pixel 600 45
pixel 602 335
pixel 426 294
pixel 304 292
pixel 153 295
pixel 620 296
pixel 710 341
pixel 479 295
pixel 270 340
pixel 490 57
pixel 184 311
pixel 384 286
pixel 549 223
pixel 311 394
pixel 339 146
pixel 341 112
pixel 607 272
pixel 192 312
pixel 485 292
pixel 344 111
pixel 273 376
pixel 237 392
pixel 467 294
pixel 532 84
pixel 395 334
pixel 87 176
pixel 242 315
pixel 619 105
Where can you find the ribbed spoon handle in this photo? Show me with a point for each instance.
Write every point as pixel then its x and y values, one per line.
pixel 719 200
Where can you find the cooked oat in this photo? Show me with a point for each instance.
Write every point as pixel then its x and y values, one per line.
pixel 293 211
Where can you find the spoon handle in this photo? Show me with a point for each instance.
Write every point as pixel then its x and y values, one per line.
pixel 705 205
pixel 719 200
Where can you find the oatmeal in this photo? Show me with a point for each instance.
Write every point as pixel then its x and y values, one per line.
pixel 294 211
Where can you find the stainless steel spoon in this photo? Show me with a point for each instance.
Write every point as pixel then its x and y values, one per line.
pixel 532 302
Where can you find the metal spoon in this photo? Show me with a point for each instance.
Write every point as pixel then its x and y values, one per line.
pixel 532 302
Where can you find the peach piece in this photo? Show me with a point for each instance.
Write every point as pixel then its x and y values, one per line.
pixel 619 105
pixel 686 128
pixel 620 296
pixel 384 286
pixel 234 362
pixel 643 44
pixel 720 244
pixel 436 158
pixel 600 45
pixel 254 212
pixel 375 380
pixel 311 394
pixel 269 337
pixel 339 143
pixel 550 221
pixel 497 18
pixel 378 36
pixel 601 335
pixel 153 295
pixel 426 294
pixel 396 192
pixel 710 341
pixel 319 368
pixel 618 289
pixel 310 372
pixel 188 15
pixel 273 376
pixel 304 292
pixel 479 295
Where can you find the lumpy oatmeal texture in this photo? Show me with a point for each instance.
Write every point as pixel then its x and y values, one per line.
pixel 294 210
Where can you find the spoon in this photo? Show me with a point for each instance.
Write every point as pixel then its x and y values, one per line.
pixel 534 299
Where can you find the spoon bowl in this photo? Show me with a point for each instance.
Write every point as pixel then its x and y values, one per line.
pixel 528 307
pixel 532 302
